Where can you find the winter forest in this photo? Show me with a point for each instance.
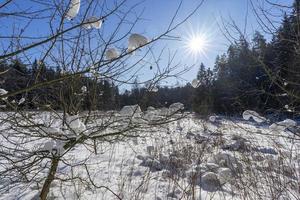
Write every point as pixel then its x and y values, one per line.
pixel 129 99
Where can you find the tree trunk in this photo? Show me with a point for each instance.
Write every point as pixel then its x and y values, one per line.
pixel 50 178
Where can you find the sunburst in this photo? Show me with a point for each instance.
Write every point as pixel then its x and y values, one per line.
pixel 197 42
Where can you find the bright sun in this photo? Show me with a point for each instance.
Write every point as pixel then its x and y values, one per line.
pixel 198 41
pixel 197 44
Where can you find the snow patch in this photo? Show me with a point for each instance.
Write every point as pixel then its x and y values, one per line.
pixel 135 41
pixel 73 9
pixel 248 114
pixel 225 175
pixel 175 107
pixel 210 181
pixel 76 124
pixel 21 101
pixel 92 22
pixel 112 54
pixel 131 111
pixel 195 83
pixel 281 126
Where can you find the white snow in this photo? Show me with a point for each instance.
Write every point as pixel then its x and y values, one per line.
pixel 55 147
pixel 195 83
pixel 248 114
pixel 210 181
pixel 282 95
pixel 112 53
pixel 175 107
pixel 52 130
pixel 76 124
pixel 286 106
pixel 3 91
pixel 144 167
pixel 59 146
pixel 131 111
pixel 282 125
pixel 135 41
pixel 150 108
pixel 92 22
pixel 48 146
pixel 73 9
pixel 225 175
pixel 21 101
pixel 212 118
pixel 84 89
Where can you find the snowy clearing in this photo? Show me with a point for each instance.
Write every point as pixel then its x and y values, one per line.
pixel 188 158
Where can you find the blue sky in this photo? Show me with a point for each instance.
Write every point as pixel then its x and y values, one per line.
pixel 157 15
pixel 205 21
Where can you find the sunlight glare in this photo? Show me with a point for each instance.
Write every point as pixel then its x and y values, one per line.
pixel 197 44
pixel 197 41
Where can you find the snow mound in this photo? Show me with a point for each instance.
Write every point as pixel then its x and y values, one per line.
pixel 163 111
pixel 212 118
pixel 194 173
pixel 150 108
pixel 150 115
pixel 131 111
pixel 238 145
pixel 248 114
pixel 56 147
pixel 76 124
pixel 175 107
pixel 212 167
pixel 225 175
pixel 48 146
pixel 281 126
pixel 73 9
pixel 154 165
pixel 224 159
pixel 210 181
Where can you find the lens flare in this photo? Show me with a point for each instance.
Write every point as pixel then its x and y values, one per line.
pixel 197 44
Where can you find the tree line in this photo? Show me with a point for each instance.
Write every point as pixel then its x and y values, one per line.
pixel 257 75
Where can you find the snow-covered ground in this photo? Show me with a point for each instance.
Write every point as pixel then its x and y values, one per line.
pixel 189 158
